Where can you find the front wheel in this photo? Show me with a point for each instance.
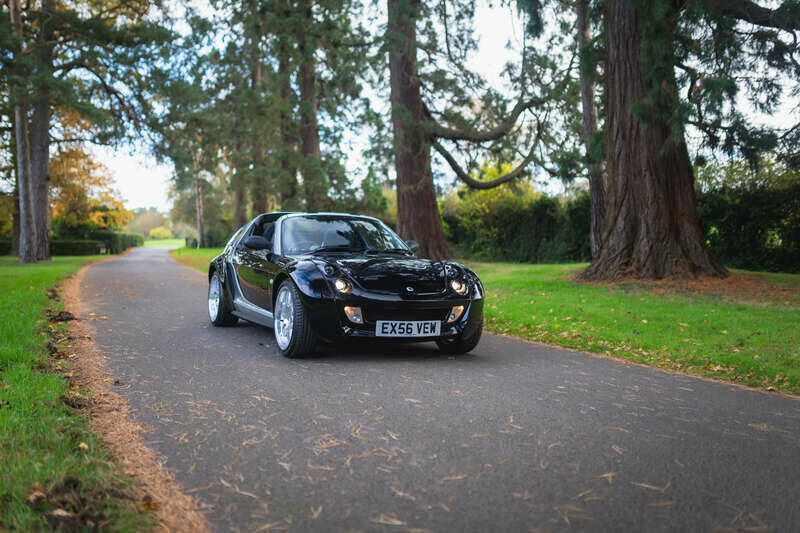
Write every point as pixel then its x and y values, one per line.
pixel 219 312
pixel 461 344
pixel 292 329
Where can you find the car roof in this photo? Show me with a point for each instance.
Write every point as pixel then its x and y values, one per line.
pixel 325 214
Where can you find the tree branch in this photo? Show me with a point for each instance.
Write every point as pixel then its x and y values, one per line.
pixel 451 134
pixel 753 13
pixel 475 184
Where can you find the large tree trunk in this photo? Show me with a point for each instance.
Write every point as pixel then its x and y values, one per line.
pixel 258 185
pixel 417 212
pixel 239 201
pixel 652 229
pixel 27 220
pixel 239 204
pixel 40 166
pixel 198 207
pixel 589 114
pixel 288 179
pixel 313 175
pixel 40 135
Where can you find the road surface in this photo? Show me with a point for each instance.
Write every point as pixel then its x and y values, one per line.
pixel 513 437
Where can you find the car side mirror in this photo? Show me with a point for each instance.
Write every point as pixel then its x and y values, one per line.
pixel 257 242
pixel 413 246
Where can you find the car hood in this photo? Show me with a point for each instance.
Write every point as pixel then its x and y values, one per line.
pixel 405 275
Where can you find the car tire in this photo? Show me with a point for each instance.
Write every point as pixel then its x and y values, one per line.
pixel 461 344
pixel 291 325
pixel 219 312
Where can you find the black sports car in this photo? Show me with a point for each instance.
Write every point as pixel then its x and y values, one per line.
pixel 331 276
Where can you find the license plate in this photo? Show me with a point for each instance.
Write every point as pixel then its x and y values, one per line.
pixel 407 328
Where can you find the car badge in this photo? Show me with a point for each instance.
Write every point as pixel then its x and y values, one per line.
pixel 409 289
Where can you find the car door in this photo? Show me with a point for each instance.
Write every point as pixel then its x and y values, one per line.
pixel 255 271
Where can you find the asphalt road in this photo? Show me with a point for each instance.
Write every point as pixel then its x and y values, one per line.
pixel 513 437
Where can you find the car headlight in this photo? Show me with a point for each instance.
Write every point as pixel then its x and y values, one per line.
pixel 459 286
pixel 342 285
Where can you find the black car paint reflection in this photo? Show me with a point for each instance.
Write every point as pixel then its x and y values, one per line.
pixel 379 272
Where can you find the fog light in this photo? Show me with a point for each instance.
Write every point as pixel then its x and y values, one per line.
pixel 455 313
pixel 353 314
pixel 342 285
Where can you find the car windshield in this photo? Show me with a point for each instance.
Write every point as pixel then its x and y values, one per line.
pixel 310 234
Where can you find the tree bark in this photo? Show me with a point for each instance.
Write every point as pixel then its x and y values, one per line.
pixel 652 230
pixel 198 206
pixel 239 202
pixel 589 115
pixel 418 215
pixel 15 224
pixel 288 179
pixel 313 175
pixel 258 185
pixel 40 135
pixel 27 220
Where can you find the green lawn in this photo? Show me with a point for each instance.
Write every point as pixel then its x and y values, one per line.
pixel 708 333
pixel 168 243
pixel 41 440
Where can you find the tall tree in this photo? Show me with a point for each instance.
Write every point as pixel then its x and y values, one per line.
pixel 314 181
pixel 589 121
pixel 91 57
pixel 27 219
pixel 40 130
pixel 652 229
pixel 417 212
pixel 482 122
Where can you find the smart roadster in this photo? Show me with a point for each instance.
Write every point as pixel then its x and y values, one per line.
pixel 325 277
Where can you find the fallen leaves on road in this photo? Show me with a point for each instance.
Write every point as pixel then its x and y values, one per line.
pixel 458 477
pixel 388 520
pixel 608 476
pixel 648 486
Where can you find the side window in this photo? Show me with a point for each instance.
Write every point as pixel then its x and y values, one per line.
pixel 233 239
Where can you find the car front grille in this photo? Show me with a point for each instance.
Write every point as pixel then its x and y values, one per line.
pixel 373 315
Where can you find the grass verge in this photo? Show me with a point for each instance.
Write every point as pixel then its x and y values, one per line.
pixel 197 258
pixel 162 243
pixel 55 473
pixel 743 329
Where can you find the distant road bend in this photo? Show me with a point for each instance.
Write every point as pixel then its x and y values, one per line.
pixel 513 437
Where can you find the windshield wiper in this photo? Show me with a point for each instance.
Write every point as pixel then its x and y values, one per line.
pixel 389 251
pixel 337 248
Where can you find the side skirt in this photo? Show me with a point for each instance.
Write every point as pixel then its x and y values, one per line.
pixel 243 308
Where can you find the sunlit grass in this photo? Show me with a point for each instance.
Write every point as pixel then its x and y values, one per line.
pixel 164 243
pixel 756 343
pixel 197 258
pixel 40 438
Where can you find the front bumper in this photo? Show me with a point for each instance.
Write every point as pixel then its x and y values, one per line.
pixel 329 321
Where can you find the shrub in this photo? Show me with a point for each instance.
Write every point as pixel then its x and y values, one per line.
pixel 5 247
pixel 755 228
pixel 75 247
pixel 117 241
pixel 509 224
pixel 161 232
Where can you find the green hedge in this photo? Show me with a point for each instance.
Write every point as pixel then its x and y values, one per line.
pixel 756 229
pixel 215 238
pixel 117 241
pixel 522 228
pixel 75 247
pixel 5 246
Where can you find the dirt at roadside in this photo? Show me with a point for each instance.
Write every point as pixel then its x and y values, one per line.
pixel 155 488
pixel 735 288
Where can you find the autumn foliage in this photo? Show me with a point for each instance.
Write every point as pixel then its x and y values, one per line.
pixel 83 197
